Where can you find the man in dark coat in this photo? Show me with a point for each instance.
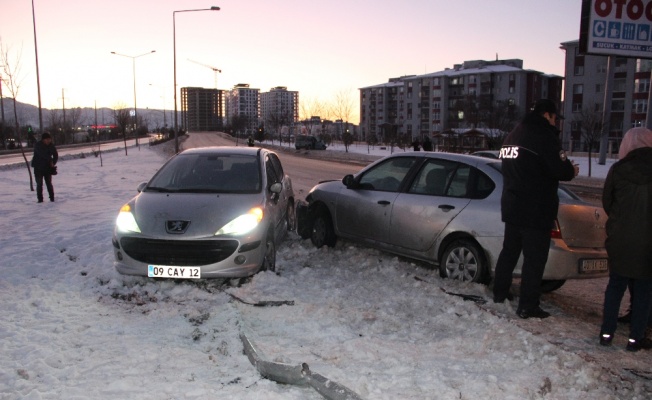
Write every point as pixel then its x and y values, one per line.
pixel 44 160
pixel 627 200
pixel 533 163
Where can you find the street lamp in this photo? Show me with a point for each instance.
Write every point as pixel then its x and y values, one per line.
pixel 174 48
pixel 165 124
pixel 133 61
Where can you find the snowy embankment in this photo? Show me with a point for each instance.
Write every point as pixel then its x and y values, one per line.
pixel 73 328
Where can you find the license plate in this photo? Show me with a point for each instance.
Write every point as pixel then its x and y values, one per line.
pixel 596 265
pixel 165 271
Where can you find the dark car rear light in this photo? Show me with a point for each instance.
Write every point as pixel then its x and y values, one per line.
pixel 555 233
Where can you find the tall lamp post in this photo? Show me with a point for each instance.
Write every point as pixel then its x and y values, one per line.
pixel 133 61
pixel 174 48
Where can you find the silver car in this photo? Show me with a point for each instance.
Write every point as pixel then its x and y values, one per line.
pixel 444 209
pixel 216 212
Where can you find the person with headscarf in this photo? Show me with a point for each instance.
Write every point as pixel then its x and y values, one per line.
pixel 627 200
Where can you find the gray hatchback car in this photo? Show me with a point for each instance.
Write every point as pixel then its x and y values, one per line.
pixel 444 209
pixel 215 212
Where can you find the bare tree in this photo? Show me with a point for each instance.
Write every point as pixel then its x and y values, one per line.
pixel 343 110
pixel 12 80
pixel 591 127
pixel 122 118
pixel 75 118
pixel 309 108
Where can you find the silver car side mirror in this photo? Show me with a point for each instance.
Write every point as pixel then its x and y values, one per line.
pixel 141 186
pixel 276 188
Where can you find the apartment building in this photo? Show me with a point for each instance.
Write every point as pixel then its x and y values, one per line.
pixel 243 102
pixel 469 95
pixel 584 95
pixel 202 109
pixel 278 108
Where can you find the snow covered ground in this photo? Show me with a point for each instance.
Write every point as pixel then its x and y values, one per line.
pixel 73 328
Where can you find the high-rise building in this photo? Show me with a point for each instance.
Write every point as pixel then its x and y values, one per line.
pixel 279 108
pixel 202 109
pixel 475 94
pixel 242 106
pixel 584 97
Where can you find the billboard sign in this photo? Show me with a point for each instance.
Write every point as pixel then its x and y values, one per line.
pixel 617 27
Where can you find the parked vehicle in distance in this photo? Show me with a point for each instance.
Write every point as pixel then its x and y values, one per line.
pixel 444 209
pixel 212 212
pixel 309 143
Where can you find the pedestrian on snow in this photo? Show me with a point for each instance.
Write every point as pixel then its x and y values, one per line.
pixel 415 145
pixel 533 163
pixel 44 162
pixel 427 144
pixel 626 199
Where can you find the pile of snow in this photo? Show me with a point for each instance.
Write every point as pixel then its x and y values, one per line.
pixel 73 328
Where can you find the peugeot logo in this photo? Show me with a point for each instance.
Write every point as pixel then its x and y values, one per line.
pixel 176 226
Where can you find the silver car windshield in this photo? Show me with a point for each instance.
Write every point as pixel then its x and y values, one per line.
pixel 208 173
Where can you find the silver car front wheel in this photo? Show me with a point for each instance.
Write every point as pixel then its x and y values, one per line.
pixel 463 261
pixel 269 262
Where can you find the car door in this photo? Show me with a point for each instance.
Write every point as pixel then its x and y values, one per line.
pixel 364 212
pixel 436 196
pixel 276 203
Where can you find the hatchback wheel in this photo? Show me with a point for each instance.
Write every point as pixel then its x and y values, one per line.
pixel 463 261
pixel 269 262
pixel 322 230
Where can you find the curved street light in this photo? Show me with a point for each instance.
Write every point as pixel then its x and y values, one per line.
pixel 133 60
pixel 174 48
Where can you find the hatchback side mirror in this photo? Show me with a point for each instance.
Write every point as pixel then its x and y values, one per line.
pixel 349 182
pixel 141 186
pixel 276 188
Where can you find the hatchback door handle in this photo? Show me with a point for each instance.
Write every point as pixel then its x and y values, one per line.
pixel 383 202
pixel 446 207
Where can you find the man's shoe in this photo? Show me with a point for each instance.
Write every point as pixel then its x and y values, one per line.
pixel 39 201
pixel 51 198
pixel 636 345
pixel 533 313
pixel 606 339
pixel 501 299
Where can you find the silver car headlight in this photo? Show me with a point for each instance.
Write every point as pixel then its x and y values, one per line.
pixel 126 221
pixel 245 223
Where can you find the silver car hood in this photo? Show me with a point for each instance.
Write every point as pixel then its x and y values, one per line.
pixel 206 213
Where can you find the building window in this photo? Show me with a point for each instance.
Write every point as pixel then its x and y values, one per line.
pixel 597 107
pixel 436 81
pixel 598 88
pixel 620 62
pixel 579 70
pixel 640 106
pixel 577 107
pixel 601 68
pixel 472 79
pixel 618 105
pixel 643 65
pixel 620 85
pixel 642 85
pixel 578 89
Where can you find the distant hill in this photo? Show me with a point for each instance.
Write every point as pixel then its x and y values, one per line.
pixel 28 115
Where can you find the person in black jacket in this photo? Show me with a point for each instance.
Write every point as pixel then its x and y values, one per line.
pixel 533 163
pixel 627 200
pixel 44 160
